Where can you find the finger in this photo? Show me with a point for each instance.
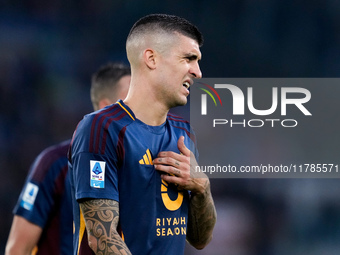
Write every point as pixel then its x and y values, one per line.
pixel 172 179
pixel 169 154
pixel 172 159
pixel 164 161
pixel 182 148
pixel 169 170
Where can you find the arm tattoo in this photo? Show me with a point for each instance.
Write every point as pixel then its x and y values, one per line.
pixel 101 219
pixel 202 219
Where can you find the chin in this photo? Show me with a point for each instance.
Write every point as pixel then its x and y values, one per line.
pixel 182 101
pixel 178 103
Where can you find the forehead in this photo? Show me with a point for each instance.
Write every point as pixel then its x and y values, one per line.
pixel 187 46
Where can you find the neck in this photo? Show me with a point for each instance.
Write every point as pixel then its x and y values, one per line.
pixel 145 105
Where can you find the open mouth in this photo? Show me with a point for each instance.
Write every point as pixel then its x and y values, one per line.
pixel 186 85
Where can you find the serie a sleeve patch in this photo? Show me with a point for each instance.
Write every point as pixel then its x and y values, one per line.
pixel 29 196
pixel 97 174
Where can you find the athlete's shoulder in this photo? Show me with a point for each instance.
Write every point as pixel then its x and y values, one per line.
pixel 181 124
pixel 101 129
pixel 115 114
pixel 53 155
pixel 176 120
pixel 56 150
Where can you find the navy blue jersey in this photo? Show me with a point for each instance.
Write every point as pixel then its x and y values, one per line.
pixel 111 157
pixel 46 200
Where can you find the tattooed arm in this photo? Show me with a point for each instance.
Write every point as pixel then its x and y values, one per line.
pixel 101 219
pixel 202 216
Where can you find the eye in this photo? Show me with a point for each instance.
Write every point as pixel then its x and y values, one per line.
pixel 191 58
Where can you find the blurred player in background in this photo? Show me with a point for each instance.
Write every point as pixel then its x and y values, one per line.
pixel 130 163
pixel 43 222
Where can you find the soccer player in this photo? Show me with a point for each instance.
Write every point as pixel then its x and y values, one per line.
pixel 130 163
pixel 43 222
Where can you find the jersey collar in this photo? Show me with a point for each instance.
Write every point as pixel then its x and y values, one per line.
pixel 126 109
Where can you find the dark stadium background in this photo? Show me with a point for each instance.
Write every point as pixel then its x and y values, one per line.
pixel 48 50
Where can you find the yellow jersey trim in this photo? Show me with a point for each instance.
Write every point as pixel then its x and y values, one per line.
pixel 35 250
pixel 126 110
pixel 81 229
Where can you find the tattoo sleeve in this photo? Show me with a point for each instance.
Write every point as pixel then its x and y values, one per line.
pixel 101 219
pixel 202 218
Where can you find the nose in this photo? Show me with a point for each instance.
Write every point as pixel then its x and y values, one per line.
pixel 195 70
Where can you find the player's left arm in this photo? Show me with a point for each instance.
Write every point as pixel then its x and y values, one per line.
pixel 101 219
pixel 181 170
pixel 23 237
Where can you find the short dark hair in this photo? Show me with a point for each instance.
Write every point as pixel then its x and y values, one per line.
pixel 169 23
pixel 104 80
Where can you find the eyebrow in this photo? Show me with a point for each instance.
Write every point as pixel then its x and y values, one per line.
pixel 191 56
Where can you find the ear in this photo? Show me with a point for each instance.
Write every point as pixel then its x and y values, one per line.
pixel 104 102
pixel 149 57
